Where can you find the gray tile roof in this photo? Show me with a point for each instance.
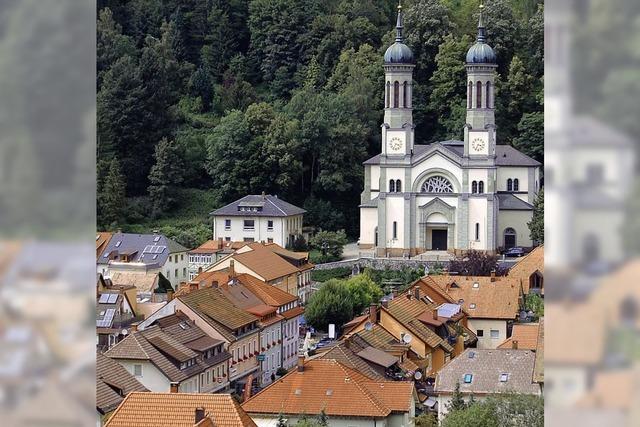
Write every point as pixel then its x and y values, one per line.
pixel 373 203
pixel 589 131
pixel 486 368
pixel 509 202
pixel 267 205
pixel 142 248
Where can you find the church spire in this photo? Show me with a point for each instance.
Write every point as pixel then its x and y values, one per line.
pixel 482 35
pixel 399 27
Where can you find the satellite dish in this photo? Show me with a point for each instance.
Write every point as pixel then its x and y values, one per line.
pixel 407 338
pixel 124 332
pixel 417 375
pixel 368 326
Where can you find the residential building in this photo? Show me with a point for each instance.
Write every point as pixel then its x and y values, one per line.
pixel 115 312
pixel 147 253
pixel 179 410
pixel 209 253
pixel 530 270
pixel 149 285
pixel 346 396
pixel 474 194
pixel 491 303
pixel 161 362
pixel 524 336
pixel 258 218
pixel 102 240
pixel 270 263
pixel 113 384
pixel 482 373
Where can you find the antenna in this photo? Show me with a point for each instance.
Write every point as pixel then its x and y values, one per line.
pixel 407 338
pixel 368 326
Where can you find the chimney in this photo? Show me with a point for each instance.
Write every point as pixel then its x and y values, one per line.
pixel 232 269
pixel 385 303
pixel 514 344
pixel 416 292
pixel 264 196
pixel 373 313
pixel 435 314
pixel 173 387
pixel 169 295
pixel 133 327
pixel 493 275
pixel 199 415
pixel 300 362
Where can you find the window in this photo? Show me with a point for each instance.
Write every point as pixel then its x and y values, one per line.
pixel 248 239
pixel 476 285
pixel 388 97
pixel 170 258
pixel 437 184
pixel 470 96
pixel 249 224
pixel 509 238
pixel 480 332
pixel 270 225
pixel 468 378
pixel 398 186
pixel 488 85
pixel 175 273
pixel 396 94
pixel 168 274
pixel 137 370
pixel 509 184
pixel 181 257
pixel 270 240
pixel 227 224
pixel 392 186
pixel 474 187
pixel 479 95
pixel 495 334
pixel 404 95
pixel 481 187
pixel 184 271
pixel 595 174
pixel 227 239
pixel 504 378
pixel 395 230
pixel 516 185
pixel 477 231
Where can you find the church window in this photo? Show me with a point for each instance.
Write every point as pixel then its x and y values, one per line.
pixel 388 97
pixel 477 231
pixel 474 187
pixel 396 94
pixel 404 95
pixel 392 186
pixel 470 96
pixel 509 238
pixel 488 94
pixel 509 184
pixel 437 184
pixel 395 230
pixel 479 95
pixel 516 185
pixel 481 187
pixel 398 186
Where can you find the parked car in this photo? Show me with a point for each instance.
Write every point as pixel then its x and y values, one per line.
pixel 515 251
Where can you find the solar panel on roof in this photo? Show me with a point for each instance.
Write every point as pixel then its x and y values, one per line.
pixel 156 239
pixel 113 298
pixel 103 299
pixel 147 249
pixel 448 310
pixel 106 321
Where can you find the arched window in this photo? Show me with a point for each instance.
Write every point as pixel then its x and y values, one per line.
pixel 516 184
pixel 474 187
pixel 392 186
pixel 388 97
pixel 477 231
pixel 481 187
pixel 437 184
pixel 479 95
pixel 509 184
pixel 404 95
pixel 488 94
pixel 470 96
pixel 509 238
pixel 396 94
pixel 398 186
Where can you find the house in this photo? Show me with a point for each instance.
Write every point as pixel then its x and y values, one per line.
pixel 148 253
pixel 530 270
pixel 484 372
pixel 346 396
pixel 102 240
pixel 524 336
pixel 258 218
pixel 115 312
pixel 179 410
pixel 209 253
pixel 150 285
pixel 113 384
pixel 491 303
pixel 178 357
pixel 271 263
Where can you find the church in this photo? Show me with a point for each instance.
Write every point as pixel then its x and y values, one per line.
pixel 450 195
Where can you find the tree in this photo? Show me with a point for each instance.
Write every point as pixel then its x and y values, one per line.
pixel 166 175
pixel 330 243
pixel 513 98
pixel 477 415
pixel 536 225
pixel 330 304
pixel 535 303
pixel 201 86
pixel 426 420
pixel 282 422
pixel 476 263
pixel 111 44
pixel 530 136
pixel 321 214
pixel 112 196
pixel 363 291
pixel 322 418
pixel 457 402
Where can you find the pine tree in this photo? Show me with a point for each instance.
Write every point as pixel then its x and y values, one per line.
pixel 112 199
pixel 166 175
pixel 536 226
pixel 457 401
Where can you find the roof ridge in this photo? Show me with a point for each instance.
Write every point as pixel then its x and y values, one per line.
pixel 383 408
pixel 268 198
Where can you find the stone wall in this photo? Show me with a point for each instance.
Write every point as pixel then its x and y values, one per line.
pixel 380 263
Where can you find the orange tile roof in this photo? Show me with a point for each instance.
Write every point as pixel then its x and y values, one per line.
pixel 267 293
pixel 526 334
pixel 295 311
pixel 499 299
pixel 527 265
pixel 265 263
pixel 329 385
pixel 102 240
pixel 178 410
pixel 274 247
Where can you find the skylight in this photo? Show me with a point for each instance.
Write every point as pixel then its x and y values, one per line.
pixel 118 243
pixel 476 284
pixel 504 378
pixel 329 392
pixel 468 378
pixel 472 354
pixel 472 305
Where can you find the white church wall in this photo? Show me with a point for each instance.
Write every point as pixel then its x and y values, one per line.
pixel 395 213
pixel 607 235
pixel 375 177
pixel 518 221
pixel 477 214
pixel 521 174
pixel 615 168
pixel 368 223
pixel 437 161
pixel 478 175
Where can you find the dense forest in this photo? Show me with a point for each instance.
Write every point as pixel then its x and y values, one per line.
pixel 203 101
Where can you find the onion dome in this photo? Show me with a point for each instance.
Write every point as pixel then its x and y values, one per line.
pixel 398 53
pixel 481 52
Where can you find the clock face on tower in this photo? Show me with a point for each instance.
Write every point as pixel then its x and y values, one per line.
pixel 478 144
pixel 395 142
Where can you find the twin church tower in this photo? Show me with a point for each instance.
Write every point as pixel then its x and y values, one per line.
pixel 450 195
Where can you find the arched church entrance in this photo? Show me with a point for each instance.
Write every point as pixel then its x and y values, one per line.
pixel 437 222
pixel 437 232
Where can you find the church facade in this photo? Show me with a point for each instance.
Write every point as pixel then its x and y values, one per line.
pixel 451 195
